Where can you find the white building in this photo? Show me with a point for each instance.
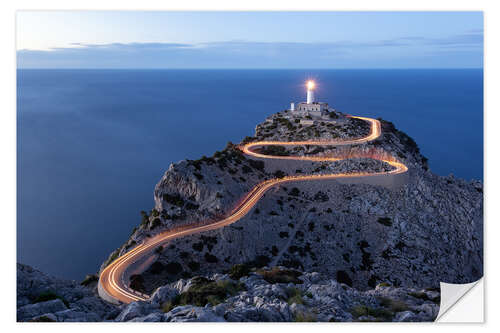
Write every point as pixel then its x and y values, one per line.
pixel 310 107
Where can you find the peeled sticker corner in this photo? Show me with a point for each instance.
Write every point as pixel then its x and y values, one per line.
pixel 461 303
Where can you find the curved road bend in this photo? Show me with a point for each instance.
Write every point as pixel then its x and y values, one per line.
pixel 112 284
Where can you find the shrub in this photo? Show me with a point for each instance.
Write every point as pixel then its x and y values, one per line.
pixel 343 277
pixel 378 313
pixel 321 196
pixel 294 192
pixel 173 199
pixel 333 115
pixel 246 169
pixel 247 139
pixel 193 266
pixel 137 282
pixel 129 245
pixel 156 268
pixel 293 263
pixel 279 174
pixel 259 261
pixel 284 234
pixel 49 296
pixel 275 151
pixel 173 268
pixel 156 223
pixel 89 279
pixel 277 275
pixel 191 206
pixel 305 317
pixel 393 304
pixel 311 226
pixel 198 246
pixel 259 165
pixel 385 221
pixel 204 291
pixel 211 258
pixel 294 296
pixel 238 271
pixel 198 176
pixel 145 218
pixel 167 306
pixel 159 249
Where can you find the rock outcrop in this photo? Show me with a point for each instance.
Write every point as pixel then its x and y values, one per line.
pixel 261 294
pixel 265 298
pixel 41 297
pixel 308 251
pixel 425 232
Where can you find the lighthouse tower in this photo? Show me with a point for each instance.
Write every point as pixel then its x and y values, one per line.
pixel 309 108
pixel 310 92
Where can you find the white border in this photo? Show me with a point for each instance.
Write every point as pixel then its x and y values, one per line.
pixel 8 140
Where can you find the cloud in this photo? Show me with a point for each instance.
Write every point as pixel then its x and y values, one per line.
pixel 251 54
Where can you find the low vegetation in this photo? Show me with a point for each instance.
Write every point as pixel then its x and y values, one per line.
pixel 393 304
pixel 173 199
pixel 89 279
pixel 277 275
pixel 49 296
pixel 238 271
pixel 295 296
pixel 204 291
pixel 305 317
pixel 380 314
pixel 385 221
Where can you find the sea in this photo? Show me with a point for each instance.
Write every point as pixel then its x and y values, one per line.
pixel 92 144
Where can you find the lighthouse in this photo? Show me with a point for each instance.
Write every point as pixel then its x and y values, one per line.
pixel 309 108
pixel 310 92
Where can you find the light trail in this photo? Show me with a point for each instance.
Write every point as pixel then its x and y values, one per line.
pixel 112 277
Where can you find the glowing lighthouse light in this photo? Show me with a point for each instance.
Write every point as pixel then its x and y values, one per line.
pixel 310 92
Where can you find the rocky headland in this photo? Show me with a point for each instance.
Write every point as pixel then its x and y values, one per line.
pixel 308 251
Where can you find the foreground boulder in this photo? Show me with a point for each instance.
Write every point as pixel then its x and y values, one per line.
pixel 41 297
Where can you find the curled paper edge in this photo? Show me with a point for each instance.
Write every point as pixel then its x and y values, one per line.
pixel 461 302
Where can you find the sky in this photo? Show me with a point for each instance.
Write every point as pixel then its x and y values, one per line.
pixel 140 39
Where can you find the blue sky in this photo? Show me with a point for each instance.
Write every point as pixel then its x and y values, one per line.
pixel 107 39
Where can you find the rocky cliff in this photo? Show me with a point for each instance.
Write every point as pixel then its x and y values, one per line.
pixel 425 232
pixel 244 294
pixel 308 251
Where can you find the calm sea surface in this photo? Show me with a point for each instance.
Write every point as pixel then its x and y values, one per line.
pixel 93 143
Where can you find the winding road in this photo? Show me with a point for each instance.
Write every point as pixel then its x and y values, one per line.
pixel 113 286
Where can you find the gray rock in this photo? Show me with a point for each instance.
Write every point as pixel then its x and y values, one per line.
pixel 190 313
pixel 405 316
pixel 72 315
pixel 164 294
pixel 32 283
pixel 47 317
pixel 32 310
pixel 135 309
pixel 152 317
pixel 427 311
pixel 220 309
